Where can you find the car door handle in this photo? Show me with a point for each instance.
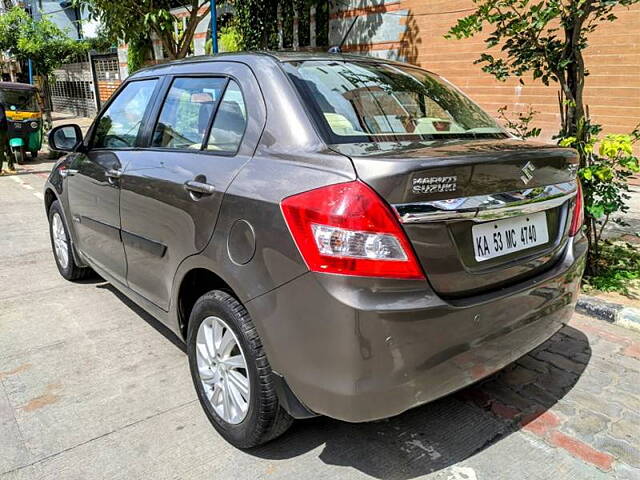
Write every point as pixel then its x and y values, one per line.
pixel 200 187
pixel 113 173
pixel 67 172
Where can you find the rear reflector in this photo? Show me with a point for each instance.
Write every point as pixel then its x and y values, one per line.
pixel 578 213
pixel 348 229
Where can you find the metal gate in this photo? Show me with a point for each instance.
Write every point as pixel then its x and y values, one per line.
pixel 72 90
pixel 106 75
pixel 82 86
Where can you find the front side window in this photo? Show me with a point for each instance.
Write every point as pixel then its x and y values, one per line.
pixel 366 101
pixel 230 122
pixel 186 112
pixel 119 125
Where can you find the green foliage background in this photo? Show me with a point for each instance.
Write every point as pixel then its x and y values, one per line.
pixel 42 41
pixel 132 20
pixel 256 22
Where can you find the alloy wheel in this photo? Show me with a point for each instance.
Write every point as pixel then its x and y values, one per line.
pixel 222 369
pixel 60 242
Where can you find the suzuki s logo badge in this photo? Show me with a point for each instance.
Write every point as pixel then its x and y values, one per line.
pixel 527 172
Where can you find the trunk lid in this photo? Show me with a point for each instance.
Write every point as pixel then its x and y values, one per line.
pixel 461 179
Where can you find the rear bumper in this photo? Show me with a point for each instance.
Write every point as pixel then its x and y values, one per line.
pixel 360 349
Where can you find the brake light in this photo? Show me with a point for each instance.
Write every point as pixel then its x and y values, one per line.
pixel 348 229
pixel 578 213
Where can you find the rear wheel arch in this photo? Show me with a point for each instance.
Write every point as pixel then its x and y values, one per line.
pixel 193 285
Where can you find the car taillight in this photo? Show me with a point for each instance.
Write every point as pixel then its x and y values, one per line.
pixel 348 229
pixel 578 213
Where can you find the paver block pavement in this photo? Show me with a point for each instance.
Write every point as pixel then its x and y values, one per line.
pixel 90 388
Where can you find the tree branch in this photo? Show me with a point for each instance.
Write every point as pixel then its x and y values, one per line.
pixel 185 40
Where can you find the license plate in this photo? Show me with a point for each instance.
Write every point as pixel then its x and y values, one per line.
pixel 494 239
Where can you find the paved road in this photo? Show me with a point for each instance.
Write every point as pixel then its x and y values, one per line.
pixel 90 388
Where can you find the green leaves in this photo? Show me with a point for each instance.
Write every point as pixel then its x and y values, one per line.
pixel 469 26
pixel 605 178
pixel 39 40
pixel 595 210
pixel 631 163
pixel 613 145
pixel 567 142
pixel 133 20
pixel 255 22
pixel 600 172
pixel 520 125
pixel 619 270
pixel 230 39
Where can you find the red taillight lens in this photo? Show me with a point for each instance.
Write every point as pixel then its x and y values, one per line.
pixel 578 213
pixel 348 229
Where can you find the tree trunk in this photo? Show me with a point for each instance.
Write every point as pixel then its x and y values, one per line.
pixel 312 26
pixel 187 36
pixel 573 84
pixel 296 24
pixel 168 43
pixel 47 102
pixel 279 23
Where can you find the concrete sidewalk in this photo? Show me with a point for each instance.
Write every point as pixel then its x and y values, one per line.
pixel 632 217
pixel 91 388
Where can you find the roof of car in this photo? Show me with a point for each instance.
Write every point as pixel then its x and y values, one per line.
pixel 16 86
pixel 251 57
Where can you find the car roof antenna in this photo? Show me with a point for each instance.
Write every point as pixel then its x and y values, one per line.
pixel 338 48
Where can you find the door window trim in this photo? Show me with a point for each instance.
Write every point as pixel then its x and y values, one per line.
pixel 140 136
pixel 205 143
pixel 214 113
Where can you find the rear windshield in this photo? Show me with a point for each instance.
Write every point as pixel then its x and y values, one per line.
pixel 369 102
pixel 19 100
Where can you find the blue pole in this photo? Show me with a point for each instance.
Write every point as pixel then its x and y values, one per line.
pixel 214 28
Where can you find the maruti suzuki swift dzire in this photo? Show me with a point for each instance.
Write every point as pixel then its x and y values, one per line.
pixel 328 234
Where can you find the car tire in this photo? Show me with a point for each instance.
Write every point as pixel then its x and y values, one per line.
pixel 264 419
pixel 20 156
pixel 62 248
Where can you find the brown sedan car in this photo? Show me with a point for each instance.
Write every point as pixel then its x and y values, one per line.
pixel 328 234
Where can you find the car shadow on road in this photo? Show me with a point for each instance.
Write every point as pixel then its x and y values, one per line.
pixel 439 434
pixel 442 433
pixel 150 319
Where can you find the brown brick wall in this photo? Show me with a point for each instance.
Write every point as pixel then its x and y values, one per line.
pixel 613 58
pixel 107 88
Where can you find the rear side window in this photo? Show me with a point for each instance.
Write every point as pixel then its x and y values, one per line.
pixel 230 122
pixel 186 112
pixel 118 127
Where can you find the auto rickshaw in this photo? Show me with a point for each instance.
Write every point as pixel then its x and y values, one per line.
pixel 24 117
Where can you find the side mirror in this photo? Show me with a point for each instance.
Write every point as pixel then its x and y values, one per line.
pixel 65 138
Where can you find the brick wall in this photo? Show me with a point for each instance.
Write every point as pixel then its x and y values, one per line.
pixel 613 57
